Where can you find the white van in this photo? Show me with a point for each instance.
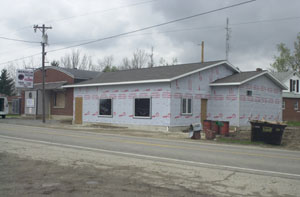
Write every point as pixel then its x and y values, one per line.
pixel 3 106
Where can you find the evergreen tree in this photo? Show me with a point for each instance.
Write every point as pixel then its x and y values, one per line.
pixel 6 83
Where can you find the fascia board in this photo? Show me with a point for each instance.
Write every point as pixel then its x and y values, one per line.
pixel 277 81
pixel 251 78
pixel 224 84
pixel 117 83
pixel 207 67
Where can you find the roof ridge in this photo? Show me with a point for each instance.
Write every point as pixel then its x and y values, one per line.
pixel 132 69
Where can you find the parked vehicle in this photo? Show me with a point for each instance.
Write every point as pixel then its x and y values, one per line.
pixel 3 106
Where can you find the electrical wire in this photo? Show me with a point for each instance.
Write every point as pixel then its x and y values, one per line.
pixel 81 15
pixel 7 62
pixel 190 29
pixel 151 27
pixel 99 11
pixel 138 30
pixel 18 40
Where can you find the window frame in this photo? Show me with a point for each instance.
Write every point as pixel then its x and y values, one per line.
pixel 249 91
pixel 296 105
pixel 111 108
pixel 55 99
pixel 186 106
pixel 283 105
pixel 150 108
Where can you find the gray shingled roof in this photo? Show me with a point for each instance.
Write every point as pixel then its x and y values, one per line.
pixel 242 77
pixel 282 76
pixel 76 73
pixel 81 74
pixel 238 78
pixel 155 73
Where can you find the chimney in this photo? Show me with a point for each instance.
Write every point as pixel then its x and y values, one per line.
pixel 258 69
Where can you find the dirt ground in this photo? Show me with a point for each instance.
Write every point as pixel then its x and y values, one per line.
pixel 27 177
pixel 34 169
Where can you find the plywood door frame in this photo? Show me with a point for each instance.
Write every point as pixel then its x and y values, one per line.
pixel 203 102
pixel 78 101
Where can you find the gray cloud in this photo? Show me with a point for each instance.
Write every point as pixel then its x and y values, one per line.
pixel 252 45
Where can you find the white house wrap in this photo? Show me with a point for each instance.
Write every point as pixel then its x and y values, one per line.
pixel 171 96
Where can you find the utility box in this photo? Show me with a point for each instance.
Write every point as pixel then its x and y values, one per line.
pixel 3 107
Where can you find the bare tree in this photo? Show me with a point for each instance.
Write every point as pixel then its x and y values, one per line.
pixel 76 60
pixel 125 63
pixel 164 62
pixel 106 63
pixel 139 59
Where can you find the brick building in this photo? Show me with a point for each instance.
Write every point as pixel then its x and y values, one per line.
pixel 291 97
pixel 58 101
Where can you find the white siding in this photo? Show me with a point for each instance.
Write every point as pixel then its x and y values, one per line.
pixel 287 83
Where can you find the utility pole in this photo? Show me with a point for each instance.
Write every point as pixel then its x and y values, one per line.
pixel 43 29
pixel 228 31
pixel 151 64
pixel 202 51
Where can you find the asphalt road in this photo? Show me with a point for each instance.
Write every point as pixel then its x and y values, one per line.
pixel 266 161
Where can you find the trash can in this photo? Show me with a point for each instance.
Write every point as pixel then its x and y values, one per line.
pixel 268 132
pixel 207 125
pixel 195 130
pixel 210 134
pixel 215 126
pixel 224 128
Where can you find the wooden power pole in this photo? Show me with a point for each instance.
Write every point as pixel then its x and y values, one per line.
pixel 43 29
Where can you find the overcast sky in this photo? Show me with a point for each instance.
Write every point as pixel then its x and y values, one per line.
pixel 252 45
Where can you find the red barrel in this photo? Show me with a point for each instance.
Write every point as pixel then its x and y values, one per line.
pixel 215 127
pixel 206 125
pixel 224 130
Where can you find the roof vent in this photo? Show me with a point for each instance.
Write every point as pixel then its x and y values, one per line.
pixel 258 69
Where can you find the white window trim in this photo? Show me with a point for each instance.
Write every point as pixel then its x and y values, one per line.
pixel 112 107
pixel 283 104
pixel 187 105
pixel 150 111
pixel 297 106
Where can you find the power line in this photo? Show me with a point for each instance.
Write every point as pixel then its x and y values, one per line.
pixel 81 15
pixel 21 58
pixel 191 29
pixel 134 31
pixel 18 40
pixel 99 11
pixel 267 20
pixel 151 27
